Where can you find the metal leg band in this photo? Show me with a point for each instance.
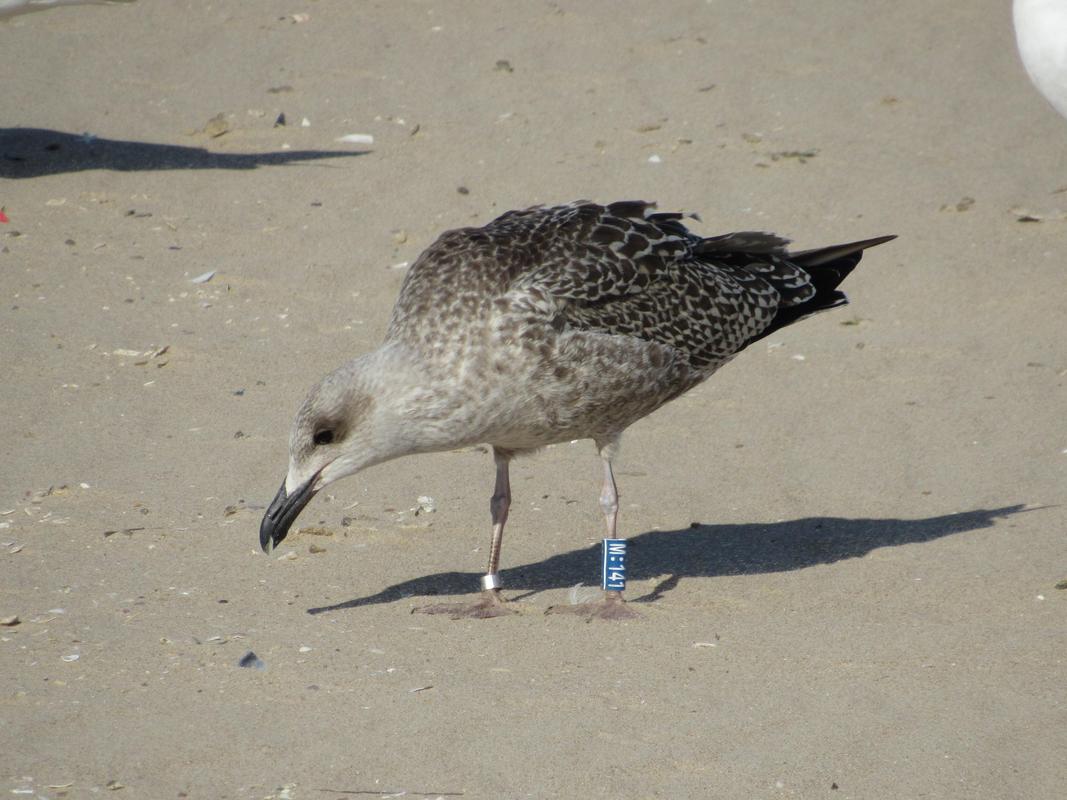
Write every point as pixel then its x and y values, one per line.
pixel 491 581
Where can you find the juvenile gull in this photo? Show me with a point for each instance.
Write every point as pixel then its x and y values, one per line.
pixel 549 325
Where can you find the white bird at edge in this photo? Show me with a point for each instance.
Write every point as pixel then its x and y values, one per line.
pixel 12 8
pixel 1041 33
pixel 545 326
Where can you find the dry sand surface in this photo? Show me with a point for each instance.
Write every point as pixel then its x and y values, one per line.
pixel 846 545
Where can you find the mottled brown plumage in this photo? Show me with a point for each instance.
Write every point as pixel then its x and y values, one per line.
pixel 547 325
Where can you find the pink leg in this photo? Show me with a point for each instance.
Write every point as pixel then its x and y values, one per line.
pixel 609 499
pixel 611 606
pixel 490 604
pixel 499 505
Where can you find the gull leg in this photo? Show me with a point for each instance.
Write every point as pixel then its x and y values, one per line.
pixel 611 606
pixel 499 505
pixel 609 499
pixel 490 604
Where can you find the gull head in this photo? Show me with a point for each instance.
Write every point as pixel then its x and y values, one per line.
pixel 347 422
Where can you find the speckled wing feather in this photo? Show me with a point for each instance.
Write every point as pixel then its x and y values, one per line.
pixel 655 280
pixel 618 269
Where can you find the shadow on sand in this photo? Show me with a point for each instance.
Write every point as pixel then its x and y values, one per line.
pixel 705 551
pixel 34 152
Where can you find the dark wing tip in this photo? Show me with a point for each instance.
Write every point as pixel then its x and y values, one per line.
pixel 822 255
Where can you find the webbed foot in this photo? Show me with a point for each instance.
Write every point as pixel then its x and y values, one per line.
pixel 489 604
pixel 611 606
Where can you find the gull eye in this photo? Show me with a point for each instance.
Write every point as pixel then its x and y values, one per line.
pixel 324 436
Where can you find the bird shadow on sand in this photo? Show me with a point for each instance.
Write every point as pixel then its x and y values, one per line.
pixel 34 152
pixel 705 551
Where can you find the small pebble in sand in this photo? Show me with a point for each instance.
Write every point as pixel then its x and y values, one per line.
pixel 251 661
pixel 356 138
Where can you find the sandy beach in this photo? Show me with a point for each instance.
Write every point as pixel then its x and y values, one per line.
pixel 847 547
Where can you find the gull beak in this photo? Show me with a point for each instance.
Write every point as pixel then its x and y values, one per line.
pixel 282 512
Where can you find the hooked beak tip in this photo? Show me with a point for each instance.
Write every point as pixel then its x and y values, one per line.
pixel 281 514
